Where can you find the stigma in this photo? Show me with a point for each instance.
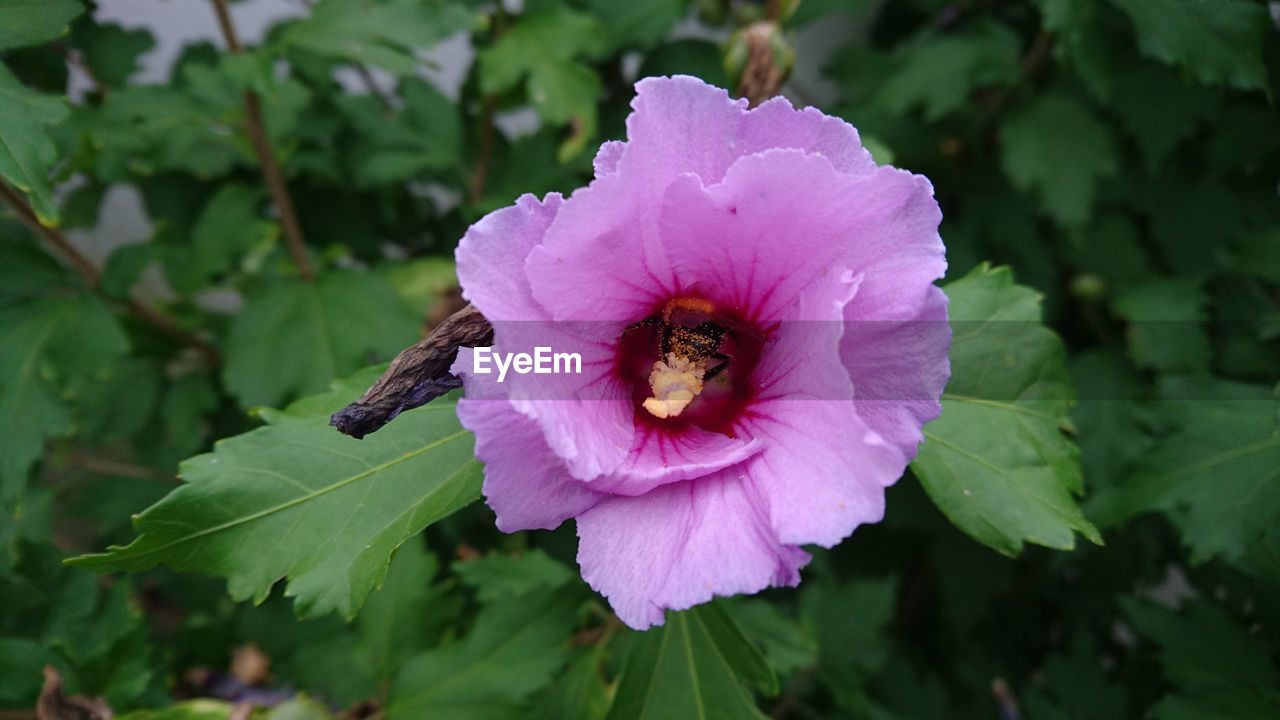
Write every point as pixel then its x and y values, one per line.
pixel 675 382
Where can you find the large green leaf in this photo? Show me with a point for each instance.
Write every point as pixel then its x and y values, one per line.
pixel 297 500
pixel 997 462
pixel 27 153
pixel 295 337
pixel 515 648
pixel 31 22
pixel 692 667
pixel 1219 42
pixel 1057 149
pixel 1216 474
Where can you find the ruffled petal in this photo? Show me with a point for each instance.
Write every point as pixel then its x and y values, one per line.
pixel 899 367
pixel 680 545
pixel 823 470
pixel 606 160
pixel 896 337
pixel 525 484
pixel 491 258
pixel 776 222
pixel 601 260
pixel 586 417
pixel 672 455
pixel 682 125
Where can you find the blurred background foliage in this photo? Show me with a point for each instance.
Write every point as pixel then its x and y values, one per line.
pixel 1122 157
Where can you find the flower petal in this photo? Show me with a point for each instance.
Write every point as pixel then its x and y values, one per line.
pixel 664 456
pixel 823 470
pixel 587 418
pixel 899 367
pixel 526 485
pixel 601 260
pixel 680 545
pixel 606 239
pixel 682 125
pixel 776 222
pixel 492 254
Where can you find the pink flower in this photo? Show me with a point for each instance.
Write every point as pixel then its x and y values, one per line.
pixel 766 241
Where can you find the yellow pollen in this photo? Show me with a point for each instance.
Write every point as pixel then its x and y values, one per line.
pixel 675 383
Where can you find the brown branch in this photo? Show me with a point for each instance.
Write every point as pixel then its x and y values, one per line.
pixel 107 466
pixel 64 247
pixel 1028 66
pixel 271 174
pixel 367 77
pixel 480 173
pixel 78 63
pixel 92 275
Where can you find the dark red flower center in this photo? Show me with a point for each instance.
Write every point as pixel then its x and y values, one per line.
pixel 690 346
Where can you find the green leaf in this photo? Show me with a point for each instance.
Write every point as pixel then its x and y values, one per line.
pixel 1216 474
pixel 1219 42
pixel 20 660
pixel 1108 414
pixel 997 462
pixel 111 51
pixel 46 344
pixel 230 225
pixel 579 693
pixel 543 49
pixel 298 708
pixel 1166 331
pixel 691 667
pixel 787 645
pixel 1219 669
pixel 384 33
pixel 638 24
pixel 201 709
pixel 27 153
pixel 851 622
pixel 1077 687
pixel 497 575
pixel 295 499
pixel 1159 108
pixel 148 129
pixel 31 22
pixel 423 282
pixel 514 649
pixel 687 56
pixel 1058 150
pixel 939 73
pixel 400 619
pixel 425 135
pixel 295 337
